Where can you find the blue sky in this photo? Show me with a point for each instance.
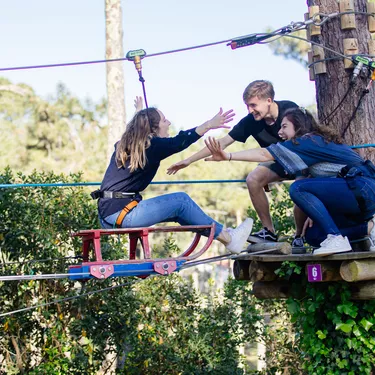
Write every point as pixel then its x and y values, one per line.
pixel 189 87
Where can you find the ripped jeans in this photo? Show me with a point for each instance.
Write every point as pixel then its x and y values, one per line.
pixel 174 207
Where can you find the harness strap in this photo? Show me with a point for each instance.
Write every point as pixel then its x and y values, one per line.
pixel 124 212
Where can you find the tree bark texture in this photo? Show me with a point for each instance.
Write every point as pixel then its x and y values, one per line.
pixel 115 73
pixel 332 85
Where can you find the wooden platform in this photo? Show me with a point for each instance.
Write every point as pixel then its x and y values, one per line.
pixel 307 257
pixel 260 263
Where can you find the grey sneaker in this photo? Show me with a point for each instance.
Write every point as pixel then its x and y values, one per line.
pixel 298 241
pixel 239 236
pixel 372 235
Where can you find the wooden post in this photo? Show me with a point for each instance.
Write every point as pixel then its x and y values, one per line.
pixel 358 270
pixel 241 269
pixel 347 20
pixel 263 271
pixel 371 19
pixel 275 289
pixel 350 48
pixel 364 290
pixel 314 30
pixel 279 247
pixel 311 69
pixel 318 54
pixel 371 47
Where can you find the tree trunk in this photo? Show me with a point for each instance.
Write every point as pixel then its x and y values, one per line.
pixel 332 86
pixel 115 73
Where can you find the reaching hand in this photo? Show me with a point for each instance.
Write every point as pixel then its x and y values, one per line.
pixel 173 169
pixel 308 224
pixel 221 119
pixel 217 153
pixel 138 103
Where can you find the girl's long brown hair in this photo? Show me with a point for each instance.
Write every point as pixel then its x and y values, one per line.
pixel 305 123
pixel 137 138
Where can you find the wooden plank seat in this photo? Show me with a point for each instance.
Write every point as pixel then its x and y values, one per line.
pixel 102 269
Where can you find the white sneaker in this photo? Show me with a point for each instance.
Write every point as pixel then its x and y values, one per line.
pixel 239 236
pixel 333 245
pixel 372 235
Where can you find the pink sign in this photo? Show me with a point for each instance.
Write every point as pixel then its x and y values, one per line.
pixel 314 273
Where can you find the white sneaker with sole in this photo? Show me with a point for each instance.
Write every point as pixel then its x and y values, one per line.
pixel 372 235
pixel 333 245
pixel 239 236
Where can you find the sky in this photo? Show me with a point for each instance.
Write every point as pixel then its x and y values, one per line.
pixel 188 87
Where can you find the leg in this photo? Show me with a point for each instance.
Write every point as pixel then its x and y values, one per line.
pixel 299 219
pixel 318 197
pixel 256 181
pixel 316 234
pixel 175 207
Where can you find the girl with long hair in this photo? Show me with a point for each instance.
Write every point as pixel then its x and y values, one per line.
pixel 133 165
pixel 340 198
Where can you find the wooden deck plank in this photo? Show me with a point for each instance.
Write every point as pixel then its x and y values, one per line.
pixel 307 257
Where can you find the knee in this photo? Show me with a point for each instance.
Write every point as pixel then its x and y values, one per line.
pixel 255 180
pixel 294 189
pixel 181 196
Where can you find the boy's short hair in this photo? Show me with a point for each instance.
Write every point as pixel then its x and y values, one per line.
pixel 261 88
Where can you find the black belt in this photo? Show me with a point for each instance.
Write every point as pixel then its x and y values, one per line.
pixel 113 194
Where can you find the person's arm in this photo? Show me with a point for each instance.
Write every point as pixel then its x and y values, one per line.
pixel 165 147
pixel 138 103
pixel 252 155
pixel 203 153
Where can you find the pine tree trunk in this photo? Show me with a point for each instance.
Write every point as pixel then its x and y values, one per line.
pixel 115 73
pixel 332 86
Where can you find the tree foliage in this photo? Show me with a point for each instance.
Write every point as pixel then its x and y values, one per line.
pixel 59 133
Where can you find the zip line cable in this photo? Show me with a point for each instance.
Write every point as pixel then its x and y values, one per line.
pixel 292 27
pixel 67 298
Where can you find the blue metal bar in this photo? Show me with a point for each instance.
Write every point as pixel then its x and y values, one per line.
pixel 4 186
pixel 98 183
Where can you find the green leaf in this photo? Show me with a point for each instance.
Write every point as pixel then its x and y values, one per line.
pixel 366 324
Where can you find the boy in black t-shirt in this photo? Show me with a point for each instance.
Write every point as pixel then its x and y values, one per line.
pixel 263 123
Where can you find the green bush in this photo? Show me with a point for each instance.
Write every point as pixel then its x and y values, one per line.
pixel 157 325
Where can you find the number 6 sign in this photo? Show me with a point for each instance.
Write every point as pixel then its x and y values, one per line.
pixel 314 272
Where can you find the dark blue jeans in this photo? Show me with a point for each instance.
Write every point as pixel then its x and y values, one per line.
pixel 333 207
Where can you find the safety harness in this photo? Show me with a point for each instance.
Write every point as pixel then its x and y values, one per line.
pixel 136 198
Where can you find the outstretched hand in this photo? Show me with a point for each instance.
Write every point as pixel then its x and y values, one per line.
pixel 138 103
pixel 173 169
pixel 217 153
pixel 222 118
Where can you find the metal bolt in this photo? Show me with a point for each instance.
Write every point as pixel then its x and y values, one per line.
pixel 165 266
pixel 94 268
pixel 109 268
pixel 102 276
pixel 158 265
pixel 102 269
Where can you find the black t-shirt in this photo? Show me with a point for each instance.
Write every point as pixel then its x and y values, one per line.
pixel 121 179
pixel 264 134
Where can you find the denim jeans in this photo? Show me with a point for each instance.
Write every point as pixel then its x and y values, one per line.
pixel 174 207
pixel 316 234
pixel 331 204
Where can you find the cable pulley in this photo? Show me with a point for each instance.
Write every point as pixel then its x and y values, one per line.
pixel 136 56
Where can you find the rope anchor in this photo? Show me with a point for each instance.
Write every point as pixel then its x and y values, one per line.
pixel 136 56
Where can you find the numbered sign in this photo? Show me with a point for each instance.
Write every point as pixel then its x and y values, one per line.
pixel 314 272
